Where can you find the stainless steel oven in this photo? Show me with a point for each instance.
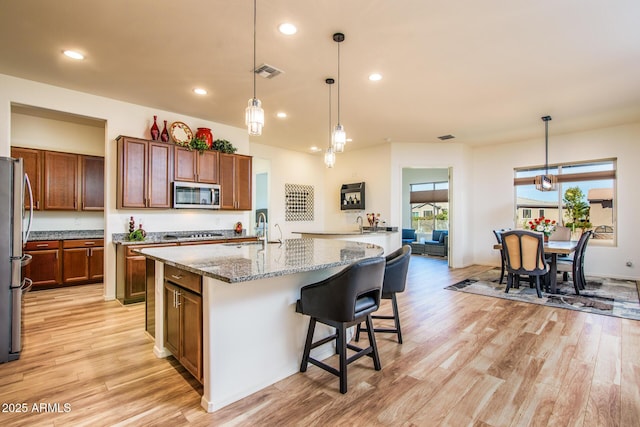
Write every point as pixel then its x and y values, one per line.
pixel 194 195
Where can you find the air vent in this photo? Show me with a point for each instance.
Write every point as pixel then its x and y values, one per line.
pixel 267 71
pixel 445 137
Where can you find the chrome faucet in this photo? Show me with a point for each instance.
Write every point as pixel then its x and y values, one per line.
pixel 262 218
pixel 359 221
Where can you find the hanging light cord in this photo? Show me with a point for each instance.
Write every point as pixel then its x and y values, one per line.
pixel 254 48
pixel 330 130
pixel 338 83
pixel 546 144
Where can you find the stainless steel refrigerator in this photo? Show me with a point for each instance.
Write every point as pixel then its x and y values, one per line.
pixel 13 233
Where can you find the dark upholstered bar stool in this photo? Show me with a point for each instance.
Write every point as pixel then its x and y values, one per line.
pixel 395 277
pixel 343 300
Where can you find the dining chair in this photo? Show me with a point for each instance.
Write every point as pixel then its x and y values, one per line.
pixel 498 234
pixel 524 256
pixel 575 265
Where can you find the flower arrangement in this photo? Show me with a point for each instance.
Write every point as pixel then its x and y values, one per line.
pixel 543 225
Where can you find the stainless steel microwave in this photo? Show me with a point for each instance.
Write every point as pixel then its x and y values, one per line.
pixel 194 195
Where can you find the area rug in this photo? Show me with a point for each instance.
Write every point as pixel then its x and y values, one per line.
pixel 611 297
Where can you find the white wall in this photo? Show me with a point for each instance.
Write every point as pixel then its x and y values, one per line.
pixel 492 193
pixel 120 118
pixel 290 167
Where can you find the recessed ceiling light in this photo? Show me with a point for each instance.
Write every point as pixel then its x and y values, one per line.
pixel 315 149
pixel 287 28
pixel 375 77
pixel 73 54
pixel 200 91
pixel 349 140
pixel 281 114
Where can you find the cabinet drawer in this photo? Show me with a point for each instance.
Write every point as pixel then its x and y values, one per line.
pixel 88 243
pixel 183 278
pixel 42 244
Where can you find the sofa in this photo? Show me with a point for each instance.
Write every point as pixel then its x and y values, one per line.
pixel 408 236
pixel 438 245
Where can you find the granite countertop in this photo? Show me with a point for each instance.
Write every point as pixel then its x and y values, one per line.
pixel 66 235
pixel 241 262
pixel 365 231
pixel 179 236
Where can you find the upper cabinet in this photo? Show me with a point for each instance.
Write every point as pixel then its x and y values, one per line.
pixel 32 160
pixel 235 181
pixel 60 181
pixel 92 175
pixel 63 181
pixel 144 173
pixel 194 166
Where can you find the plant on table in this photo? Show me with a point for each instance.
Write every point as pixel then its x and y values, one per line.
pixel 542 225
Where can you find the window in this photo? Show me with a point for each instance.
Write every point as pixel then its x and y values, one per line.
pixel 590 203
pixel 430 206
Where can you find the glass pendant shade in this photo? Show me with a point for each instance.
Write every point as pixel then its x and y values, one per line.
pixel 338 138
pixel 254 117
pixel 329 157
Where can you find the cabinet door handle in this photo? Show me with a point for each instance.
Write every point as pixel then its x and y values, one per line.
pixel 178 294
pixel 42 245
pixel 176 277
pixel 89 243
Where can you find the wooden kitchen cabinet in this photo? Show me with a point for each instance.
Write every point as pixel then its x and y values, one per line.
pixel 193 166
pixel 32 160
pixel 60 181
pixel 82 261
pixel 46 266
pixel 235 181
pixel 145 172
pixel 92 176
pixel 131 272
pixel 183 318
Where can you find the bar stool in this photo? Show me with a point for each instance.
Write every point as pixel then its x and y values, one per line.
pixel 395 278
pixel 341 301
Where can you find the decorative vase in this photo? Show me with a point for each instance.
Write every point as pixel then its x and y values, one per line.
pixel 546 238
pixel 164 136
pixel 155 131
pixel 205 133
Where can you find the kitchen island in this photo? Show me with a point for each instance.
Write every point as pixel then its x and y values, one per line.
pixel 251 335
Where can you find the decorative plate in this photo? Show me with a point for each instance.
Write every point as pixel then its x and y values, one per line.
pixel 181 133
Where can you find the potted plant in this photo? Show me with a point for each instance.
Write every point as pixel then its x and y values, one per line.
pixel 198 143
pixel 223 146
pixel 576 210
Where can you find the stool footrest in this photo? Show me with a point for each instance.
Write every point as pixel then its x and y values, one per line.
pixel 324 341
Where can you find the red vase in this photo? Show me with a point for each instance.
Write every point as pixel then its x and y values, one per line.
pixel 155 131
pixel 205 133
pixel 164 136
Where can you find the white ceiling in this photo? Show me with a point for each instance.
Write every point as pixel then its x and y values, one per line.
pixel 484 71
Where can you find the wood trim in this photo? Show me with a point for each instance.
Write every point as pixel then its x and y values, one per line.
pixel 570 177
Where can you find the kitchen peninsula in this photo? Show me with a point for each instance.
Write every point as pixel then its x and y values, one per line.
pixel 388 237
pixel 251 336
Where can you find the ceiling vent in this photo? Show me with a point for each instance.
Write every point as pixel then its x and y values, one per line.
pixel 267 71
pixel 445 137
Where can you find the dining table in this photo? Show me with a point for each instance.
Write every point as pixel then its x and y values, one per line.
pixel 553 248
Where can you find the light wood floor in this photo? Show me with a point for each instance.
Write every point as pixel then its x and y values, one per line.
pixel 466 360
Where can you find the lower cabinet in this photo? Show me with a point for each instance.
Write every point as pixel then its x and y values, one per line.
pixel 64 262
pixel 82 261
pixel 183 318
pixel 131 273
pixel 45 267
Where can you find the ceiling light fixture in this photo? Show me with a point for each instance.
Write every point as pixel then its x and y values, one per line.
pixel 73 54
pixel 281 114
pixel 339 137
pixel 375 77
pixel 254 114
pixel 200 91
pixel 330 154
pixel 287 28
pixel 546 182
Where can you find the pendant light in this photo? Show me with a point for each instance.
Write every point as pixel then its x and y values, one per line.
pixel 254 114
pixel 339 137
pixel 330 154
pixel 546 182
